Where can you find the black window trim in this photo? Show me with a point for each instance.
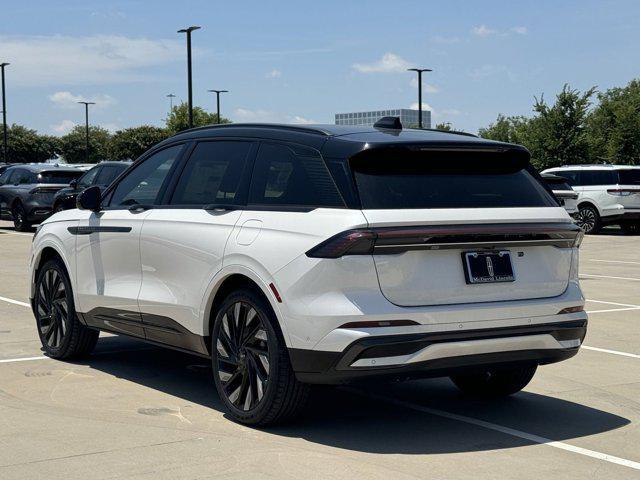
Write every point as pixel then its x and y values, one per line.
pixel 187 146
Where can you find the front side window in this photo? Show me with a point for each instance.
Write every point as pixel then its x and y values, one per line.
pixel 295 176
pixel 86 180
pixel 142 185
pixel 213 174
pixel 4 178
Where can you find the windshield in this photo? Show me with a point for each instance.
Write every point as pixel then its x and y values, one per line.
pixel 629 177
pixel 58 176
pixel 407 183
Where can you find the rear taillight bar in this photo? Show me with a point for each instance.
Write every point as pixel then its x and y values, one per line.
pixel 391 240
pixel 623 192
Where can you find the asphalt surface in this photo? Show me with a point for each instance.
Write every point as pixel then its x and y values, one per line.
pixel 135 411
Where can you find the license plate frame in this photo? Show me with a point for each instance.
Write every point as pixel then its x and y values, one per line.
pixel 486 267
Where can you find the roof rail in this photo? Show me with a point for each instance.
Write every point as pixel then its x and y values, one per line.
pixel 277 126
pixel 603 164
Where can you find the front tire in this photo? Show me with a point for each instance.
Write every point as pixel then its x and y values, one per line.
pixel 61 333
pixel 251 367
pixel 588 219
pixel 19 215
pixel 495 382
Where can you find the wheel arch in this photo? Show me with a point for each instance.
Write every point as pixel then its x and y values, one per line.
pixel 589 203
pixel 233 279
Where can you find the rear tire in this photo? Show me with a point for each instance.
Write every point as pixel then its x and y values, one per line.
pixel 61 333
pixel 251 367
pixel 630 227
pixel 495 382
pixel 19 215
pixel 588 219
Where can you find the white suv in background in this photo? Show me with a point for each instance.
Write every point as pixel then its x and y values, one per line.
pixel 607 194
pixel 292 255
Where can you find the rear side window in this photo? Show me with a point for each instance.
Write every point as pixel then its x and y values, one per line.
pixel 598 177
pixel 629 177
pixel 58 177
pixel 292 176
pixel 397 183
pixel 213 174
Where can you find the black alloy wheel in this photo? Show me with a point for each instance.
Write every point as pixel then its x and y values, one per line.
pixel 20 222
pixel 61 333
pixel 242 351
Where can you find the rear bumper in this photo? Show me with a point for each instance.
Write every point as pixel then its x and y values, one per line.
pixel 395 357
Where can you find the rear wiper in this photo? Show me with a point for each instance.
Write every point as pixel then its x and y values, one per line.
pixel 221 207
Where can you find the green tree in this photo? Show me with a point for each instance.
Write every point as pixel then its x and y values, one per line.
pixel 72 145
pixel 24 145
pixel 507 129
pixel 614 125
pixel 178 119
pixel 444 126
pixel 130 143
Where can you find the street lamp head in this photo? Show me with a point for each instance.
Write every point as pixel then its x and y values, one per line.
pixel 419 70
pixel 218 91
pixel 4 64
pixel 189 29
pixel 170 95
pixel 87 103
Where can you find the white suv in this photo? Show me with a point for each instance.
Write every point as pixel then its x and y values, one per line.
pixel 293 255
pixel 607 194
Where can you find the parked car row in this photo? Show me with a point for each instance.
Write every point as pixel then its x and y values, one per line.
pixel 30 193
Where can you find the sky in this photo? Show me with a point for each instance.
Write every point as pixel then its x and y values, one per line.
pixel 302 62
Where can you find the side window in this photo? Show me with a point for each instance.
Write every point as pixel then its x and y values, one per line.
pixel 20 176
pixel 294 176
pixel 107 174
pixel 86 179
pixel 213 174
pixel 4 178
pixel 598 177
pixel 142 185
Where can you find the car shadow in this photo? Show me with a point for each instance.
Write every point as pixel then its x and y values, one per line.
pixel 358 418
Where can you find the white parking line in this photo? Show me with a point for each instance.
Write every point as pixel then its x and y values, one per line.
pixel 608 276
pixel 613 352
pixel 16 233
pixel 24 359
pixel 615 261
pixel 508 431
pixel 613 303
pixel 613 310
pixel 15 302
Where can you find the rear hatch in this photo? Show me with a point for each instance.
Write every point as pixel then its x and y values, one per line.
pixel 462 226
pixel 50 181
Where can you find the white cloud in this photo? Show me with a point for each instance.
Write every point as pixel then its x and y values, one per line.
pixel 275 73
pixel 519 30
pixel 483 31
pixel 96 59
pixel 425 86
pixel 69 100
pixel 267 116
pixel 63 127
pixel 425 106
pixel 389 63
pixel 451 111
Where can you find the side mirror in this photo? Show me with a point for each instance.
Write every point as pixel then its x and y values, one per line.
pixel 73 183
pixel 90 199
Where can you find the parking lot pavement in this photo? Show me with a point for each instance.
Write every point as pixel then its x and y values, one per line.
pixel 135 411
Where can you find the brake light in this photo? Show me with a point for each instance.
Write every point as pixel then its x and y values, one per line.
pixel 351 242
pixel 622 192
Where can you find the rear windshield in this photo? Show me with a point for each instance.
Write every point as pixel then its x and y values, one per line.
pixel 629 177
pixel 58 177
pixel 404 184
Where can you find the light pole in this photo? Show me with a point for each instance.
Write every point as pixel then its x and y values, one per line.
pixel 189 84
pixel 218 92
pixel 86 129
pixel 419 70
pixel 4 115
pixel 171 96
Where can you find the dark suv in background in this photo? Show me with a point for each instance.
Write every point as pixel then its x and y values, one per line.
pixel 26 192
pixel 101 176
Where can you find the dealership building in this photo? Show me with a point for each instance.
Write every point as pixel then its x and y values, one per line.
pixel 408 117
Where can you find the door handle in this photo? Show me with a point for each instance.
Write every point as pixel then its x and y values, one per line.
pixel 220 207
pixel 139 208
